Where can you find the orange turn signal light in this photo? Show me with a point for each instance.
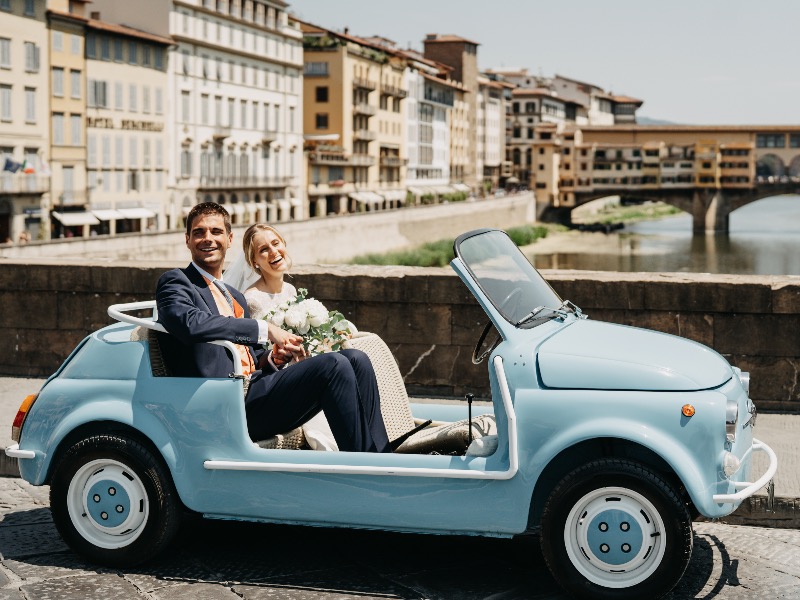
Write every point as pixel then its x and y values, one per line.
pixel 16 427
pixel 687 410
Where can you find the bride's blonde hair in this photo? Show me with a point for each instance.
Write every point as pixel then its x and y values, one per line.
pixel 247 242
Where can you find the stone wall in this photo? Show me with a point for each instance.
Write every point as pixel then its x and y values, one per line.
pixel 429 319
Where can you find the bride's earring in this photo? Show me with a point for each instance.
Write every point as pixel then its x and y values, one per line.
pixel 255 267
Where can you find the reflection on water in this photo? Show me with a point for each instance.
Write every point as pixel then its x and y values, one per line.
pixel 764 239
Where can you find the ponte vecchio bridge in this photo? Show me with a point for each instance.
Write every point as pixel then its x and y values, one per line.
pixel 707 172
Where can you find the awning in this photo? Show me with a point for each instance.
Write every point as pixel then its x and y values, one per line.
pixel 417 191
pixel 71 219
pixel 392 195
pixel 107 215
pixel 136 213
pixel 443 189
pixel 366 197
pixel 461 187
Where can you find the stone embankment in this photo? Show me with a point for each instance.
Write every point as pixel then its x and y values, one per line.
pixel 428 318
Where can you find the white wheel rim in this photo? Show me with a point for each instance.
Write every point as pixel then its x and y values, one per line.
pixel 615 537
pixel 107 503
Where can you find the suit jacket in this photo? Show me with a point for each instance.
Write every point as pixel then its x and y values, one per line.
pixel 186 308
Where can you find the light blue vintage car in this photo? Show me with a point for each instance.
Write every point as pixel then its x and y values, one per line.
pixel 605 440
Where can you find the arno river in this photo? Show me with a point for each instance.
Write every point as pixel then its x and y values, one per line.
pixel 764 239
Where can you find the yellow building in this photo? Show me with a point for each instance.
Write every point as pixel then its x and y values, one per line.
pixel 67 22
pixel 354 123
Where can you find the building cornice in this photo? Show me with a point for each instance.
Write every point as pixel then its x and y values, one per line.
pixel 227 49
pixel 208 11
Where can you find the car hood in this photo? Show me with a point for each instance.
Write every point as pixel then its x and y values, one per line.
pixel 603 356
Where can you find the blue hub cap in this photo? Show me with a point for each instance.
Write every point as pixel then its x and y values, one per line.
pixel 108 503
pixel 614 536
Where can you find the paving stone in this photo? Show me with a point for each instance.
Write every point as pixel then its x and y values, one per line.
pixel 170 571
pixel 39 493
pixel 50 566
pixel 3 579
pixel 25 516
pixel 335 583
pixel 196 591
pixel 92 587
pixel 30 540
pixel 11 594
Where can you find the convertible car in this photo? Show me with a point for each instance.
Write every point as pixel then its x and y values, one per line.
pixel 605 440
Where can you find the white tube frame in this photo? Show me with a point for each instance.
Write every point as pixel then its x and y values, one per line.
pixel 747 488
pixel 511 471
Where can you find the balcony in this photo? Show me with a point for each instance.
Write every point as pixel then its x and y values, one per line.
pixel 268 136
pixel 365 109
pixel 364 83
pixel 329 158
pixel 393 161
pixel 362 160
pixel 239 183
pixel 24 184
pixel 391 90
pixel 364 135
pixel 72 198
pixel 220 133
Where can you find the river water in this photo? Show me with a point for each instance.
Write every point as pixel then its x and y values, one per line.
pixel 764 239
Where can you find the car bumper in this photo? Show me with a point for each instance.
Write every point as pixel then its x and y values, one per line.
pixel 13 451
pixel 747 488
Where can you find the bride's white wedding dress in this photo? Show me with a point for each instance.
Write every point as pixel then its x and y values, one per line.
pixel 316 430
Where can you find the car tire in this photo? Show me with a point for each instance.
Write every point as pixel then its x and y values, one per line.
pixel 113 501
pixel 615 529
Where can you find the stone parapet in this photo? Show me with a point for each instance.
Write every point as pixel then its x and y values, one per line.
pixel 429 319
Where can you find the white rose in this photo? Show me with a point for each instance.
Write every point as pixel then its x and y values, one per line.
pixel 317 313
pixel 277 318
pixel 296 319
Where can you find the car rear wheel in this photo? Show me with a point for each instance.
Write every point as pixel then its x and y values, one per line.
pixel 113 501
pixel 614 529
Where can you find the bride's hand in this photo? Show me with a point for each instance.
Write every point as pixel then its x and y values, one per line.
pixel 284 343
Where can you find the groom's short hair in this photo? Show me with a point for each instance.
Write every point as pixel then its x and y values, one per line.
pixel 207 208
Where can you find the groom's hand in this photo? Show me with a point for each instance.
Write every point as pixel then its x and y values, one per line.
pixel 284 345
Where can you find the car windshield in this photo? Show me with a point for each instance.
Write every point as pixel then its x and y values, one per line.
pixel 512 284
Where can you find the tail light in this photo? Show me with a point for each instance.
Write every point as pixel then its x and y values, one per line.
pixel 16 427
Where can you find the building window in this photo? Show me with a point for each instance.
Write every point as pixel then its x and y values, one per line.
pixel 5 102
pixel 75 45
pixel 91 45
pixel 203 108
pixel 133 181
pixel 75 130
pixel 119 149
pixel 146 60
pixel 159 58
pixel 31 57
pixel 75 84
pixel 322 93
pixel 133 97
pixel 118 50
pixel 106 151
pixel 58 82
pixel 185 105
pixel 159 101
pixel 91 151
pixel 58 41
pixel 30 105
pixel 58 129
pixel 5 53
pixel 146 154
pixel 243 116
pixel 322 120
pixel 315 69
pixel 5 5
pixel 186 162
pixel 146 99
pixel 133 152
pixel 105 48
pixel 29 8
pixel 133 51
pixel 98 97
pixel 119 101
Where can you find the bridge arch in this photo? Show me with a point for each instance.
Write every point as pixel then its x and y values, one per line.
pixel 770 165
pixel 794 167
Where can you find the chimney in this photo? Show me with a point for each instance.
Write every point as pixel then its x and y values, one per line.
pixel 346 30
pixel 95 14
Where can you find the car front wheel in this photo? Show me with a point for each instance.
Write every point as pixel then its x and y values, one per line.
pixel 113 501
pixel 614 529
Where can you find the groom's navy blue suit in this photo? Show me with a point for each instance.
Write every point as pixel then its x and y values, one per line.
pixel 342 384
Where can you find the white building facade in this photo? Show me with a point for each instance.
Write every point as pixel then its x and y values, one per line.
pixel 234 120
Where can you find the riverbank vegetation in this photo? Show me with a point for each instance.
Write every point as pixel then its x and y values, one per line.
pixel 440 253
pixel 614 212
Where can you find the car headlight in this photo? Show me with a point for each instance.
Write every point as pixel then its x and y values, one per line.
pixel 744 378
pixel 731 419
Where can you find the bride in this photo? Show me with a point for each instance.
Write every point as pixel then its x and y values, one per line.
pixel 259 271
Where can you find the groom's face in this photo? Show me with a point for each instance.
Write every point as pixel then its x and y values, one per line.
pixel 208 241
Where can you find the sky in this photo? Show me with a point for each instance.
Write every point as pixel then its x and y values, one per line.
pixel 730 62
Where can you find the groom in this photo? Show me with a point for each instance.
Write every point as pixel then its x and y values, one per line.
pixel 195 306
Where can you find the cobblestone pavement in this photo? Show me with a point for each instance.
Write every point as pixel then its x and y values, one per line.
pixel 228 560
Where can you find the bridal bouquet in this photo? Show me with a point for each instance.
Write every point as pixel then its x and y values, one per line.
pixel 322 330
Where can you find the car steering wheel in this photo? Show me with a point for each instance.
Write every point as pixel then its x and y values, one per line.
pixel 478 356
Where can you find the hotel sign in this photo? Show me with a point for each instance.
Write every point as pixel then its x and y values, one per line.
pixel 129 124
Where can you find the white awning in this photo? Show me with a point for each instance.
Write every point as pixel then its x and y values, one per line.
pixel 443 189
pixel 461 187
pixel 107 215
pixel 71 219
pixel 417 191
pixel 366 197
pixel 391 195
pixel 136 213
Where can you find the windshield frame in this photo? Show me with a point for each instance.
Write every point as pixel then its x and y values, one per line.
pixel 540 292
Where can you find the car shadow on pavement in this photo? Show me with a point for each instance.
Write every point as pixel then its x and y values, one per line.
pixel 710 570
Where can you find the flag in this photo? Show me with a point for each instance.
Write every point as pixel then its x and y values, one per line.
pixel 27 168
pixel 11 165
pixel 45 168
